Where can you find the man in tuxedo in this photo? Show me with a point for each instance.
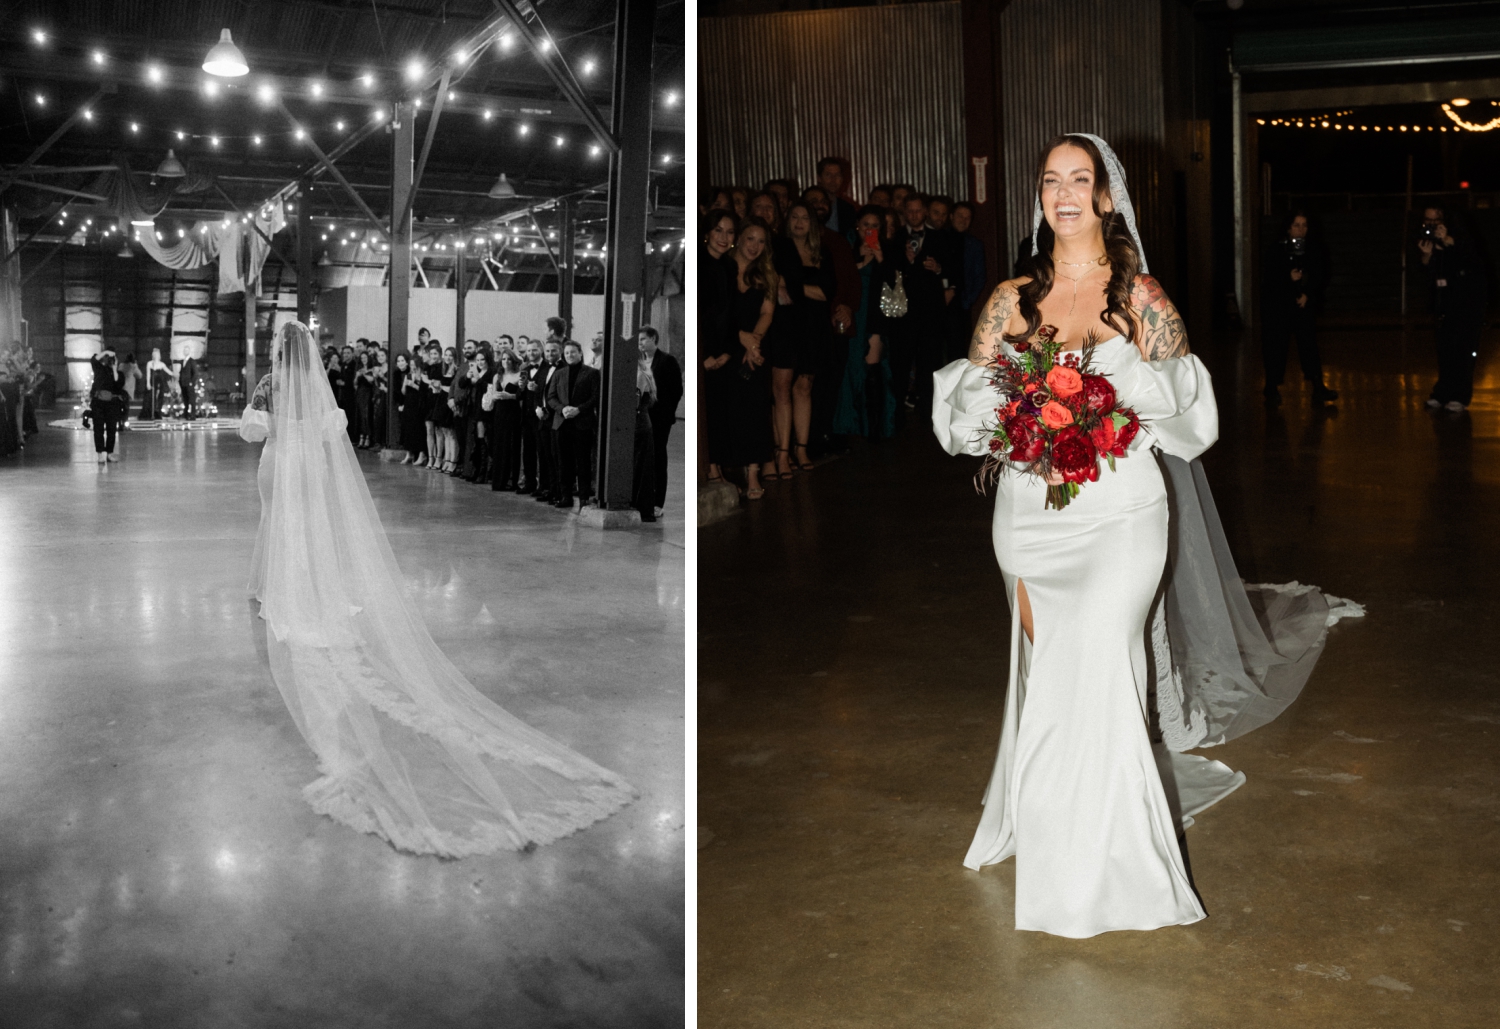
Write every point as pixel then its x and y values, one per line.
pixel 663 412
pixel 531 361
pixel 841 213
pixel 187 381
pixel 547 490
pixel 915 341
pixel 573 399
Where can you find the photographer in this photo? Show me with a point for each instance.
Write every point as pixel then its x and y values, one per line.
pixel 106 403
pixel 1293 277
pixel 1459 300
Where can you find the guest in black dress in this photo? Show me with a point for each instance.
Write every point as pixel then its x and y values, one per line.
pixel 436 396
pixel 715 274
pixel 364 398
pixel 476 445
pixel 747 439
pixel 503 401
pixel 810 283
pixel 442 410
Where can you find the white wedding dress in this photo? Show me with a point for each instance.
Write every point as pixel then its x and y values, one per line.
pixel 1076 795
pixel 407 748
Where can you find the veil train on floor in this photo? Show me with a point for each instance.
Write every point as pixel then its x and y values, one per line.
pixel 408 749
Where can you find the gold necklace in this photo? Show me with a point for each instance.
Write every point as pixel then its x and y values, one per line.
pixel 1075 283
pixel 1079 264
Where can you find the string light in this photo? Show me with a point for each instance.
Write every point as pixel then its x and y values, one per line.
pixel 588 66
pixel 98 57
pixel 367 80
pixel 265 93
pixel 671 98
pixel 666 158
pixel 154 74
pixel 213 141
pixel 506 42
pixel 594 150
pixel 1469 126
pixel 39 37
pixel 413 70
pixel 88 115
pixel 299 133
pixel 255 140
pixel 545 46
pixel 210 88
pixel 338 126
pixel 525 129
pixel 488 114
pixel 317 90
pixel 558 140
pixel 135 126
pixel 41 101
pixel 181 135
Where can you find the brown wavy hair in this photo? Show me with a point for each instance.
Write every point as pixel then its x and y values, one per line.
pixel 1119 249
pixel 814 229
pixel 762 273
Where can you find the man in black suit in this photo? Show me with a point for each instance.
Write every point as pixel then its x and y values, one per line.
pixel 547 490
pixel 187 381
pixel 531 361
pixel 841 213
pixel 663 413
pixel 949 257
pixel 573 399
pixel 915 341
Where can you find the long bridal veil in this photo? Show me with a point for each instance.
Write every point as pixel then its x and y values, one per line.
pixel 407 748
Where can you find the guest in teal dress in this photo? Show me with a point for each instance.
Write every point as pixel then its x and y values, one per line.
pixel 865 405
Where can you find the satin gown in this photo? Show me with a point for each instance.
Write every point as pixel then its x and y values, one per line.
pixel 1076 796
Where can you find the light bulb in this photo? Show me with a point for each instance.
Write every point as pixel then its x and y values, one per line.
pixel 413 70
pixel 559 140
pixel 213 140
pixel 545 46
pixel 98 56
pixel 488 114
pixel 88 115
pixel 210 88
pixel 299 133
pixel 594 151
pixel 41 101
pixel 460 56
pixel 339 126
pixel 181 136
pixel 367 80
pixel 671 98
pixel 265 93
pixel 39 37
pixel 588 67
pixel 153 72
pixel 525 129
pixel 317 90
pixel 256 140
pixel 135 126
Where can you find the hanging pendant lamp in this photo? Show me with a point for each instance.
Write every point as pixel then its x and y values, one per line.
pixel 225 58
pixel 502 189
pixel 171 167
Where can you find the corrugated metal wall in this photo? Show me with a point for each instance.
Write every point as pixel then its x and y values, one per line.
pixel 1084 66
pixel 882 86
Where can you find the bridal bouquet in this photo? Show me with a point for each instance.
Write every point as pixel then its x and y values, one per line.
pixel 1057 416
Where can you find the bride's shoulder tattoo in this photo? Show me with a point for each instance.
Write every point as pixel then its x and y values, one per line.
pixel 1165 334
pixel 990 328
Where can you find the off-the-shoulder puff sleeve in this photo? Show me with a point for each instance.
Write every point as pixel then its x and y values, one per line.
pixel 255 425
pixel 963 407
pixel 1175 401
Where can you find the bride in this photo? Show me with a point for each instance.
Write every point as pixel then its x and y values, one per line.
pixel 407 748
pixel 1128 619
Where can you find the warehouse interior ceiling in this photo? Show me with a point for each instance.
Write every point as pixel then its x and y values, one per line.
pixel 124 83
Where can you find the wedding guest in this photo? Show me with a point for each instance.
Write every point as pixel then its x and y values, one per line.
pixel 714 312
pixel 443 415
pixel 556 327
pixel 549 465
pixel 573 399
pixel 526 477
pixel 477 448
pixel 754 285
pixel 798 354
pixel 643 488
pixel 739 198
pixel 865 406
pixel 880 197
pixel 187 381
pixel 437 403
pixel 504 400
pixel 413 394
pixel 130 374
pixel 975 274
pixel 841 214
pixel 915 341
pixel 364 397
pixel 378 414
pixel 158 375
pixel 666 375
pixel 596 352
pixel 1451 256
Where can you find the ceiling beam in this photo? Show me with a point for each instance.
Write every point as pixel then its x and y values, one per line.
pixel 547 54
pixel 432 124
pixel 323 160
pixel 57 134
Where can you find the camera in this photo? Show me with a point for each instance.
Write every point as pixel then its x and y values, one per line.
pixel 1425 231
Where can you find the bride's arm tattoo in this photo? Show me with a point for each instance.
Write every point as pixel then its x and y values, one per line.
pixel 1165 335
pixel 990 328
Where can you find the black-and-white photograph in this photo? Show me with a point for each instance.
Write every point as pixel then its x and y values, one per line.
pixel 343 502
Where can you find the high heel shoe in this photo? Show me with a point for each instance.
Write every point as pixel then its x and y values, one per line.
pixel 790 465
pixel 804 463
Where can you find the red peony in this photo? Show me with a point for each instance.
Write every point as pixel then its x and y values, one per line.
pixel 1127 432
pixel 1021 346
pixel 1074 456
pixel 1027 441
pixel 1098 394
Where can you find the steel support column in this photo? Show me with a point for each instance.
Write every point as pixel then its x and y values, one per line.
pixel 461 291
pixel 403 151
pixel 566 261
pixel 629 179
pixel 305 267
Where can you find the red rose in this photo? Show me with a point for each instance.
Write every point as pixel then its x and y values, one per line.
pixel 1074 456
pixel 1126 432
pixel 1021 346
pixel 1027 441
pixel 1098 394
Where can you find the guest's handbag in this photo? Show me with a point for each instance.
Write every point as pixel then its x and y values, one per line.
pixel 893 300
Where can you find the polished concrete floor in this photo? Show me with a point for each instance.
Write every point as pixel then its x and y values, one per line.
pixel 852 653
pixel 158 866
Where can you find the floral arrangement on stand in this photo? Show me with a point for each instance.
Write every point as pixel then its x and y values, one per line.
pixel 1057 416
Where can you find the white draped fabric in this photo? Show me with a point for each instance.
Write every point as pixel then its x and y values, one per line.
pixel 407 748
pixel 239 249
